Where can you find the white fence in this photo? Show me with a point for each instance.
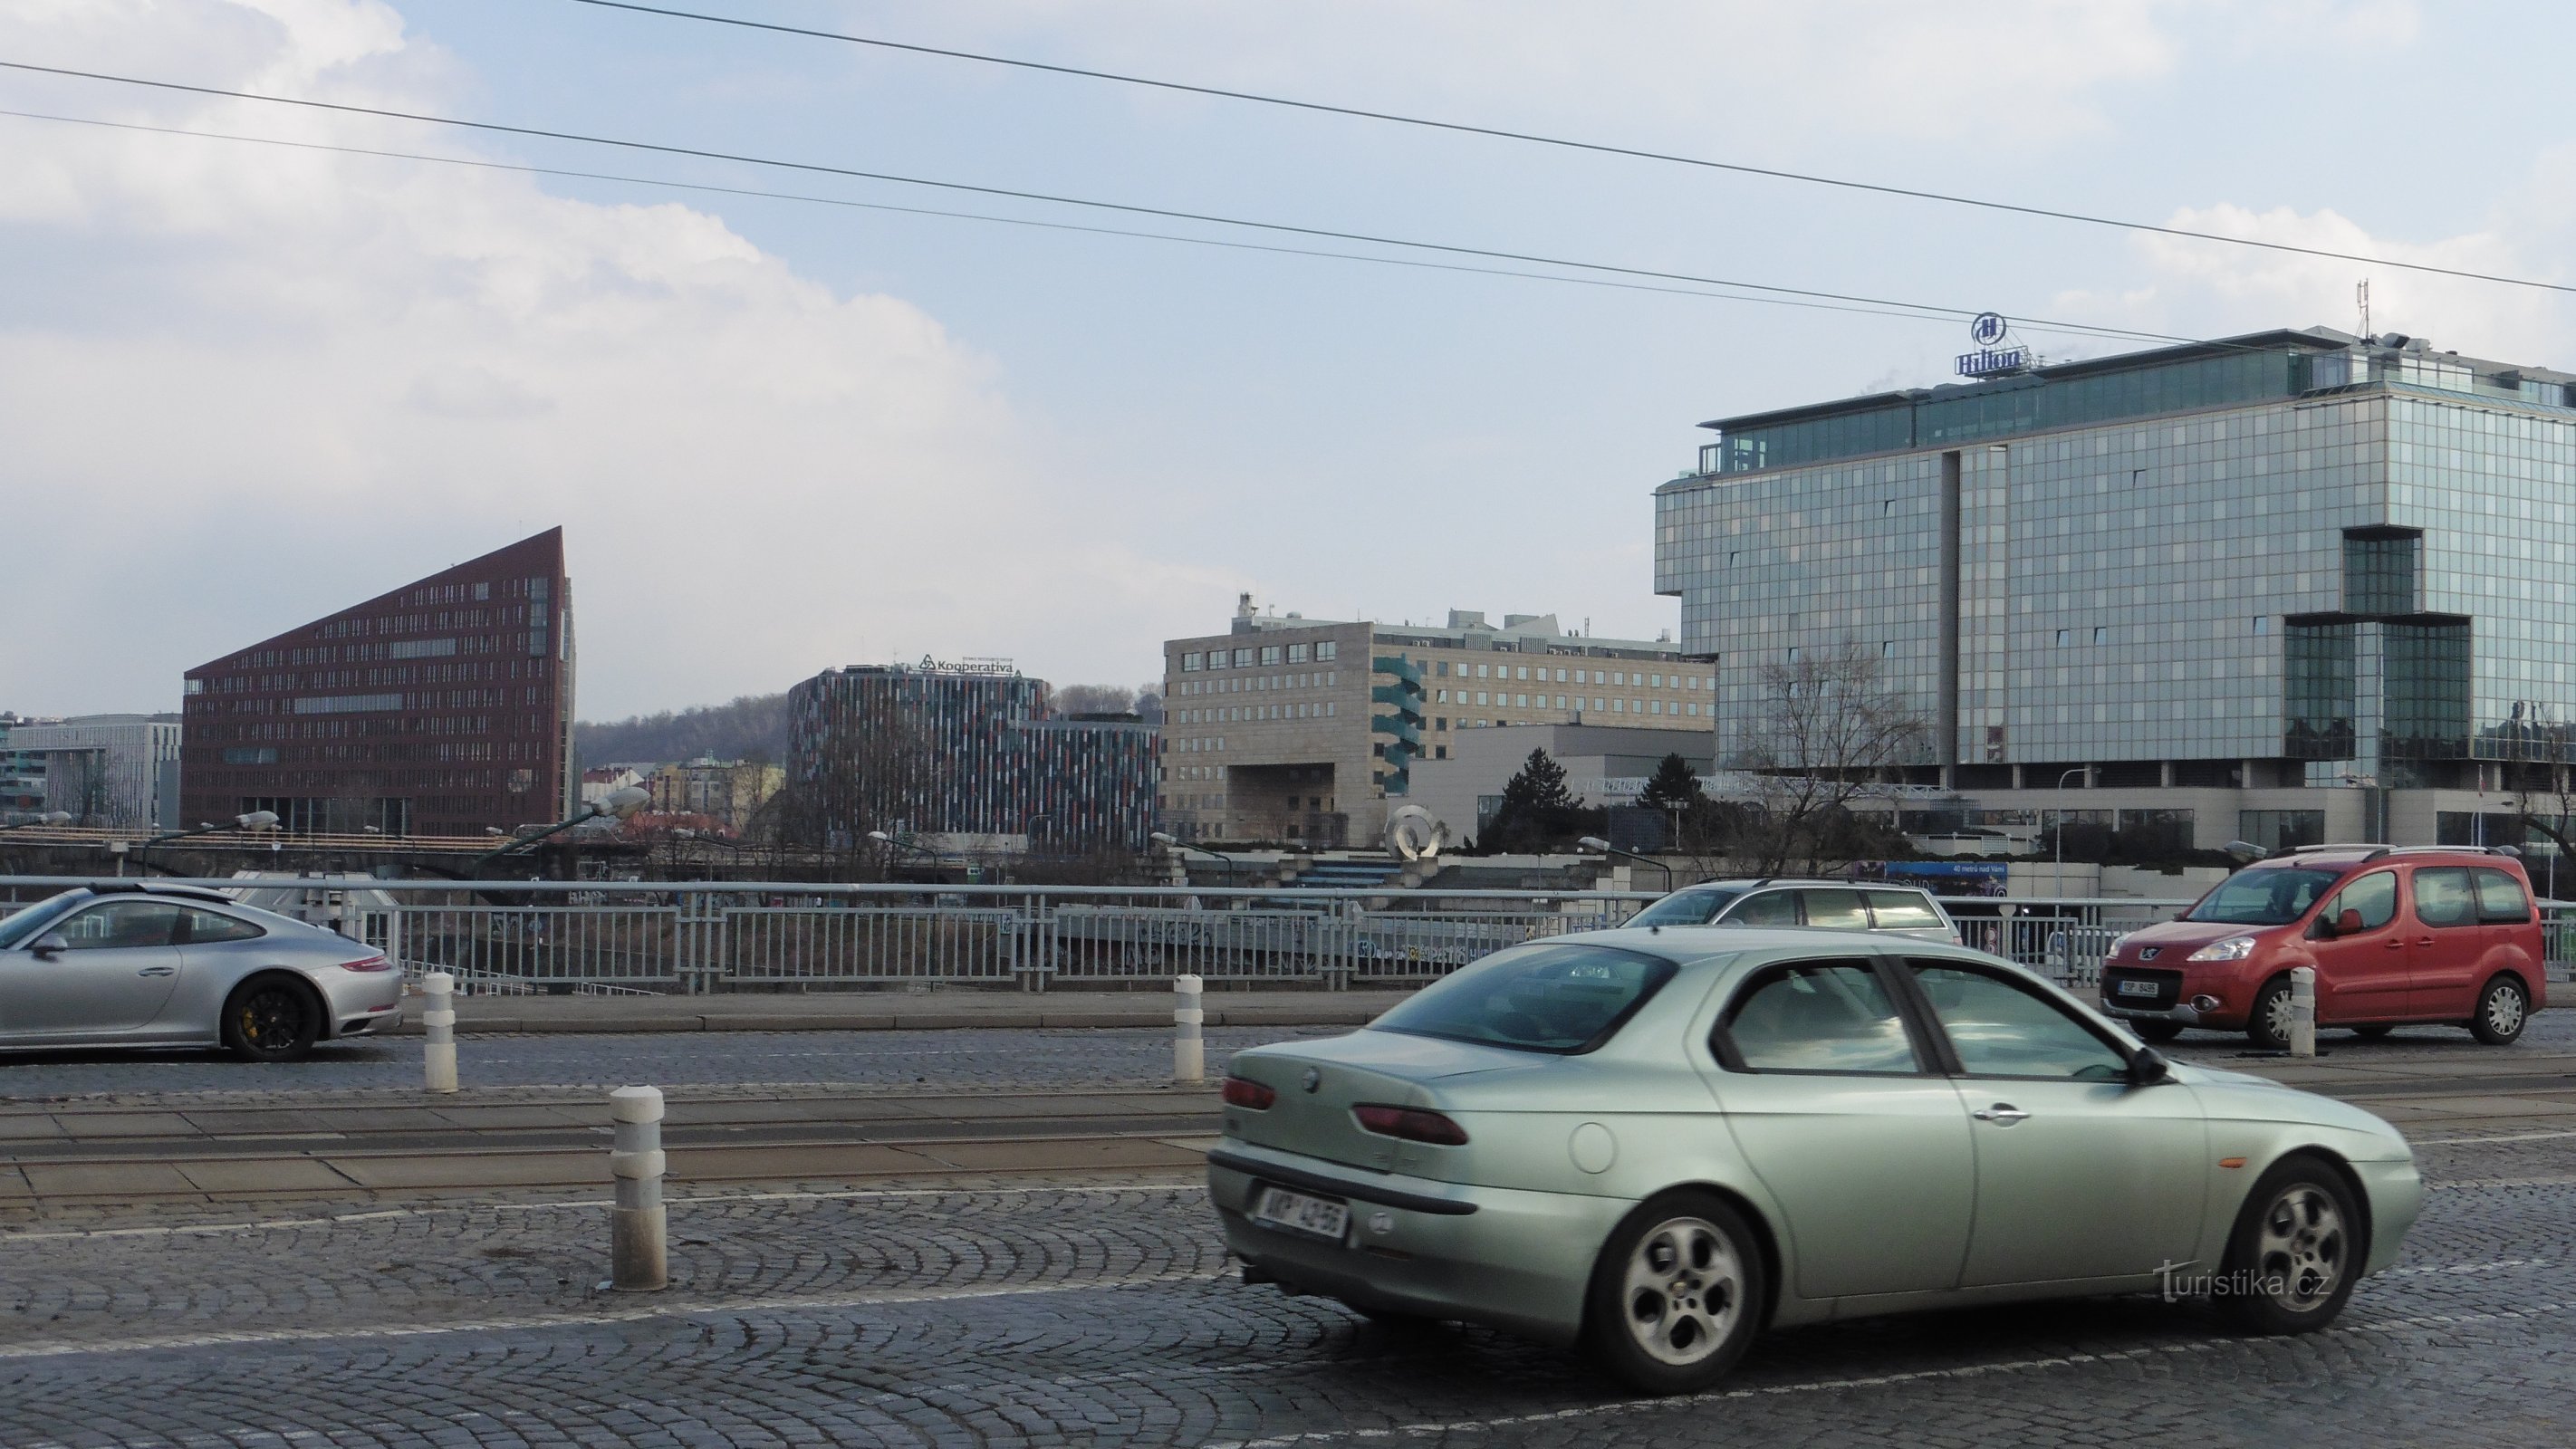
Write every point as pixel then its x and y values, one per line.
pixel 694 937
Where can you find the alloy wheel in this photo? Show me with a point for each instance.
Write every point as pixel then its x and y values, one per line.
pixel 2300 1259
pixel 2277 1016
pixel 271 1019
pixel 1684 1291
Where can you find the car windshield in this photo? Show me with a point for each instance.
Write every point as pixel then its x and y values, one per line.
pixel 23 926
pixel 2264 897
pixel 1684 908
pixel 1561 997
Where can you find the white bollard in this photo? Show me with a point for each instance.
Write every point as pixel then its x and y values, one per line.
pixel 1189 1049
pixel 438 1059
pixel 639 1252
pixel 2303 1011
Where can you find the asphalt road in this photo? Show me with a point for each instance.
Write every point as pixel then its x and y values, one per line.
pixel 1050 1315
pixel 1058 1057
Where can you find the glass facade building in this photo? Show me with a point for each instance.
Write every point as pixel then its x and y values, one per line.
pixel 968 749
pixel 2293 560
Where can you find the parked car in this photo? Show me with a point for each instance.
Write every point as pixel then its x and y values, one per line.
pixel 1656 1142
pixel 2397 935
pixel 151 965
pixel 1826 905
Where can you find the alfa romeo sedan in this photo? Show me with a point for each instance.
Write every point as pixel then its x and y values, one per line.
pixel 1655 1142
pixel 152 965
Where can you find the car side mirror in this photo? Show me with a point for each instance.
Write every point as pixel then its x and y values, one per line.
pixel 2349 924
pixel 2149 1067
pixel 49 945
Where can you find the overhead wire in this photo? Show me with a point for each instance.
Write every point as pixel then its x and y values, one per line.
pixel 1567 143
pixel 1651 274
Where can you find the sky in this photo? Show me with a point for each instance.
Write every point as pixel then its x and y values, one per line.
pixel 244 385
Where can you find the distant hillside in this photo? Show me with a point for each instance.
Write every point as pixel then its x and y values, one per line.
pixel 752 727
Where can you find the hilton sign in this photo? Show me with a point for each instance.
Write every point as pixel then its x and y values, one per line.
pixel 1991 359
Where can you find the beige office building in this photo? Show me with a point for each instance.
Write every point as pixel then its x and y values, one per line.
pixel 1304 731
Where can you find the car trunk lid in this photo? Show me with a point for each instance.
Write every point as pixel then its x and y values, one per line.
pixel 1319 1082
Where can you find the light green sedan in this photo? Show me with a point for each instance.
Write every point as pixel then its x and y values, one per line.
pixel 1653 1142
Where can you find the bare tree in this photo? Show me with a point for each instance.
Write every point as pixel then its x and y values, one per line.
pixel 1095 699
pixel 1831 733
pixel 871 769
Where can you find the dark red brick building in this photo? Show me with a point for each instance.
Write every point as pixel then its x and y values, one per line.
pixel 438 709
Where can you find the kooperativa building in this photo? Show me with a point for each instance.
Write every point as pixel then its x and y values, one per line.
pixel 2290 586
pixel 442 708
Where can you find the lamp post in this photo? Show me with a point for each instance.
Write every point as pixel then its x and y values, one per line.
pixel 255 820
pixel 617 803
pixel 1596 843
pixel 1175 844
pixel 50 820
pixel 2059 880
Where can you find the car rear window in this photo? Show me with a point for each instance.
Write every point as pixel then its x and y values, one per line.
pixel 1903 911
pixel 1836 910
pixel 2442 896
pixel 1684 908
pixel 1561 997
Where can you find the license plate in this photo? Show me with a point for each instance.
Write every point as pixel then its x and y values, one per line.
pixel 2137 988
pixel 1297 1212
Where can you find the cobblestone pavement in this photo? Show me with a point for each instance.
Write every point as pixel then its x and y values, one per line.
pixel 1068 1056
pixel 1091 1314
pixel 1065 1056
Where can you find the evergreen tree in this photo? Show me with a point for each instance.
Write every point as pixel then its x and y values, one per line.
pixel 1538 813
pixel 1673 786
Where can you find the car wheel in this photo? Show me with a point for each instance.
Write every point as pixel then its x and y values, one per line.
pixel 2296 1252
pixel 2502 1009
pixel 2158 1032
pixel 1676 1295
pixel 2268 1024
pixel 271 1019
pixel 2373 1033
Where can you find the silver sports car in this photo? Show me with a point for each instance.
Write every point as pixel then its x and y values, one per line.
pixel 151 965
pixel 1653 1142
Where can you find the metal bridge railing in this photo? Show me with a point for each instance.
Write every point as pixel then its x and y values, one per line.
pixel 715 936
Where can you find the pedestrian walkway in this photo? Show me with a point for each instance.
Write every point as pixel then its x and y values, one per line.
pixel 900 1011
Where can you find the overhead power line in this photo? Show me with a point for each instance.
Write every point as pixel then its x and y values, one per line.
pixel 1565 143
pixel 1128 208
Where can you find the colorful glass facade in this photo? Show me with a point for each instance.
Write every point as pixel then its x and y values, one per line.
pixel 442 708
pixel 966 750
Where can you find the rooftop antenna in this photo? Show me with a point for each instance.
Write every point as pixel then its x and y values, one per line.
pixel 2361 298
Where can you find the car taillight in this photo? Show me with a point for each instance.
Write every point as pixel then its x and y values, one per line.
pixel 1410 1123
pixel 371 963
pixel 1244 1092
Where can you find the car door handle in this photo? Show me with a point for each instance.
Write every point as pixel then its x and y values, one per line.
pixel 2398 943
pixel 2423 940
pixel 158 971
pixel 2002 1114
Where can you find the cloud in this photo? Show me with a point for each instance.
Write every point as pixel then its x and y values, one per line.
pixel 258 385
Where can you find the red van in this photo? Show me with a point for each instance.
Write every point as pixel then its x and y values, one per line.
pixel 2437 935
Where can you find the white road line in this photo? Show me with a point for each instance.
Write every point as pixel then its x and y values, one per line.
pixel 2482 1141
pixel 383 1214
pixel 1717 1396
pixel 728 1307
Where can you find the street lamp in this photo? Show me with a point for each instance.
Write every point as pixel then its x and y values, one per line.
pixel 1596 843
pixel 255 820
pixel 1174 843
pixel 2058 882
pixel 619 803
pixel 50 820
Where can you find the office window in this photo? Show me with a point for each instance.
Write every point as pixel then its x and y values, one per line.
pixel 1326 650
pixel 2101 634
pixel 2062 635
pixel 1270 654
pixel 2262 624
pixel 1655 681
pixel 1560 699
pixel 1654 706
pixel 1480 671
pixel 1618 706
pixel 1442 668
pixel 1297 653
pixel 1560 676
pixel 1440 723
pixel 1243 659
pixel 1598 705
pixel 1521 673
pixel 1193 662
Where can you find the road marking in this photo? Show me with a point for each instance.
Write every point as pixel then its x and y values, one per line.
pixel 2482 1141
pixel 1964 1371
pixel 384 1214
pixel 802 1303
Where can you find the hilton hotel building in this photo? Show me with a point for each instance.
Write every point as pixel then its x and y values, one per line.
pixel 2286 587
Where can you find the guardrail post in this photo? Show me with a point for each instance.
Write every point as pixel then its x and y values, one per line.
pixel 1189 1017
pixel 2303 1011
pixel 639 1252
pixel 438 1015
